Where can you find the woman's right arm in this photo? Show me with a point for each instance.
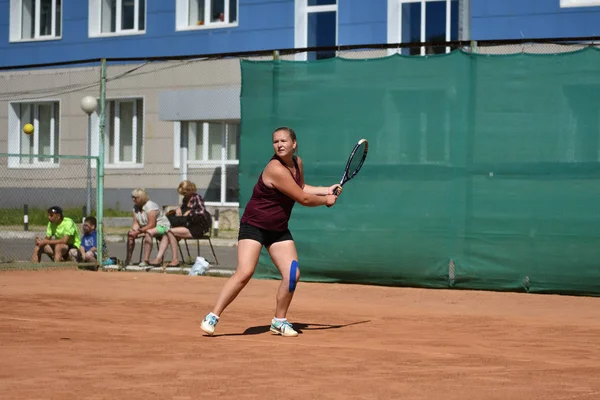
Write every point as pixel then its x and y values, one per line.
pixel 278 177
pixel 135 226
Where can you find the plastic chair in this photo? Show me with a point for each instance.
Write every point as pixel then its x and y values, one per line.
pixel 206 236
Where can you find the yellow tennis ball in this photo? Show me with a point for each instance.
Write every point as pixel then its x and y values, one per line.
pixel 28 129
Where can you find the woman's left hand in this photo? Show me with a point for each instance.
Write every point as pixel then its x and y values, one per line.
pixel 330 189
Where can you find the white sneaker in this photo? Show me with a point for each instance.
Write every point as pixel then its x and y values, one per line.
pixel 208 324
pixel 283 328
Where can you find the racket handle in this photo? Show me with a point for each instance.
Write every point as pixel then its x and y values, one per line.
pixel 336 191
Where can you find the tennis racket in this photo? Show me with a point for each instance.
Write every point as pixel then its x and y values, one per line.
pixel 355 162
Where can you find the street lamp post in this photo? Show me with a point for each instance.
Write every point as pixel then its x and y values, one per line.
pixel 89 105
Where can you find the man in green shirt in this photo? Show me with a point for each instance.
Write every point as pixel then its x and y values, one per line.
pixel 62 238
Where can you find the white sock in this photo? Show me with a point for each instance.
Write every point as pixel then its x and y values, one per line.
pixel 279 319
pixel 212 314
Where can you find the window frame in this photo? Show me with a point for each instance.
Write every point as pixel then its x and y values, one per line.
pixel 302 10
pixel 16 22
pixel 95 20
pixel 139 158
pixel 182 15
pixel 394 30
pixel 180 155
pixel 579 3
pixel 15 133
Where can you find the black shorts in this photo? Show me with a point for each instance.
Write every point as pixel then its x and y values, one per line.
pixel 263 236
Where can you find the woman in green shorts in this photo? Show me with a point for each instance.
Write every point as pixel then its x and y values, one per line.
pixel 148 221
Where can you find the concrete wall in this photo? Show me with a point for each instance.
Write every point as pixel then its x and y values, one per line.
pixel 157 173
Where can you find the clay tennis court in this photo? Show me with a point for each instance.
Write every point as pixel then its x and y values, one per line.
pixel 70 334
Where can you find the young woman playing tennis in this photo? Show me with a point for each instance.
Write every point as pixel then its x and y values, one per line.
pixel 265 223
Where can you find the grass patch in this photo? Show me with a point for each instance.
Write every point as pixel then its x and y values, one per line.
pixel 39 216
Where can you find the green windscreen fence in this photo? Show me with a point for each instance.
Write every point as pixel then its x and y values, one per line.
pixel 483 171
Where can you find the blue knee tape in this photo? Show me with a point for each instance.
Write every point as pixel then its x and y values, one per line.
pixel 293 271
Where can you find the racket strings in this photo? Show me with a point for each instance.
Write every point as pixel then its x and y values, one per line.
pixel 357 158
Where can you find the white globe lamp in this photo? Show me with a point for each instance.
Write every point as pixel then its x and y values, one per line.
pixel 89 104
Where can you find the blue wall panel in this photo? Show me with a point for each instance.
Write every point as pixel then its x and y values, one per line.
pixel 269 24
pixel 515 19
pixel 263 25
pixel 362 22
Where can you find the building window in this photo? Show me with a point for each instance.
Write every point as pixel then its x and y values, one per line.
pixel 316 26
pixel 201 14
pixel 120 17
pixel 35 19
pixel 212 150
pixel 123 133
pixel 44 116
pixel 414 21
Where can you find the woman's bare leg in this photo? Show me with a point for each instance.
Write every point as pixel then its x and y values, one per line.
pixel 174 250
pixel 179 232
pixel 248 254
pixel 162 249
pixel 148 244
pixel 131 236
pixel 283 254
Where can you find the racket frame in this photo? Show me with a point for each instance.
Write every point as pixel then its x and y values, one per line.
pixel 345 176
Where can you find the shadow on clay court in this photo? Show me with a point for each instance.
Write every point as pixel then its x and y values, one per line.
pixel 298 327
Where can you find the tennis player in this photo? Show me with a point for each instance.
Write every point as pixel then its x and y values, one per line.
pixel 265 223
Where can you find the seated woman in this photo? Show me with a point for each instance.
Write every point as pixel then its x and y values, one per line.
pixel 148 221
pixel 190 220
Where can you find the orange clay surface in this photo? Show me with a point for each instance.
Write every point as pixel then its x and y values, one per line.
pixel 69 334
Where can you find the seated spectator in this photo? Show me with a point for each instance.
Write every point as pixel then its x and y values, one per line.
pixel 62 236
pixel 148 221
pixel 89 241
pixel 188 221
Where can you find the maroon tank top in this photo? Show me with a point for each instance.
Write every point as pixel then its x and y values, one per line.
pixel 269 208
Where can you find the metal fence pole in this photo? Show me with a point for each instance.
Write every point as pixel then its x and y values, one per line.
pixel 89 105
pixel 100 162
pixel 88 204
